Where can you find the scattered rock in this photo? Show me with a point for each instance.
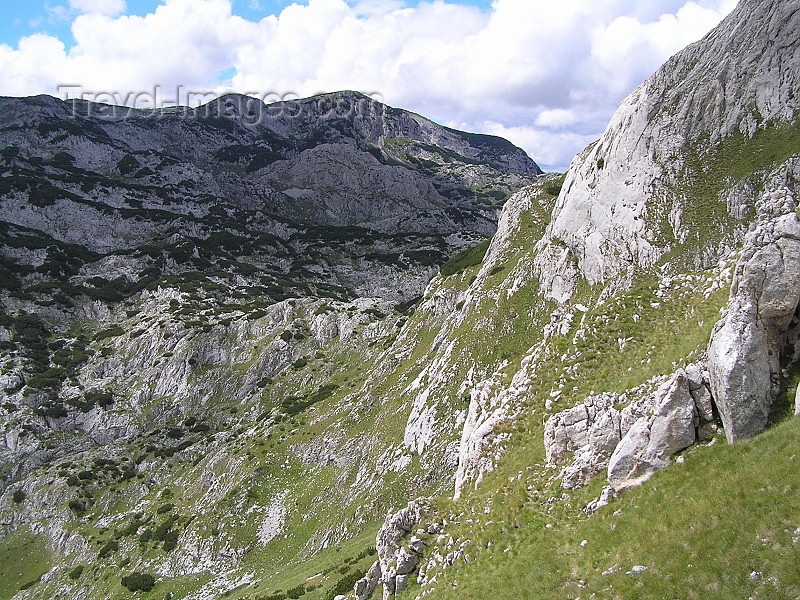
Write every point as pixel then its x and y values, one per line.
pixel 636 570
pixel 606 497
pixel 416 545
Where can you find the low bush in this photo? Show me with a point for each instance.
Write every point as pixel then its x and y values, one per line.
pixel 76 572
pixel 139 581
pixel 110 547
pixel 343 586
pixel 465 259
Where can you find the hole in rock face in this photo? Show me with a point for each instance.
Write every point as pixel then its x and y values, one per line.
pixel 788 380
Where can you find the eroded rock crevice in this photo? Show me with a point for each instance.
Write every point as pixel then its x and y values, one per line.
pixel 744 354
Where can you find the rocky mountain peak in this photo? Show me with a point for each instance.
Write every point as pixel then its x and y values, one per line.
pixel 627 199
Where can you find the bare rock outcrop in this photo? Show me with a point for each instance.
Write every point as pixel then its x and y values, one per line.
pixel 650 442
pixel 747 343
pixel 591 430
pixel 633 442
pixel 396 560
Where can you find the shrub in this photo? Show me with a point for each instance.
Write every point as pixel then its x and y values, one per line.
pixel 62 159
pixel 554 187
pixel 133 526
pixel 128 164
pixel 76 572
pixel 110 547
pixel 175 433
pixel 19 496
pixel 465 259
pixel 139 581
pixel 343 586
pixel 170 541
pixel 29 585
pixel 102 399
pixel 293 405
pixel 496 270
pixel 296 592
pixel 145 536
pixel 49 379
pixel 113 331
pixel 164 528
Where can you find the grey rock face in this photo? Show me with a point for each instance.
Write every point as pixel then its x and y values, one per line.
pixel 632 442
pixel 344 195
pixel 648 445
pixel 746 345
pixel 620 191
pixel 341 160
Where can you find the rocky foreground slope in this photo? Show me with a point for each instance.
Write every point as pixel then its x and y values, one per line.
pixel 684 211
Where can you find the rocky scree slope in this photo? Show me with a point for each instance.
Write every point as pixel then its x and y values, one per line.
pixel 683 212
pixel 204 329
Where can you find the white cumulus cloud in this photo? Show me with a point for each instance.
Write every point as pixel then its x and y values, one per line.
pixel 547 75
pixel 104 7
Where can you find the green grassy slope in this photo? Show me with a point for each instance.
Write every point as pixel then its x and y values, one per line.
pixel 725 524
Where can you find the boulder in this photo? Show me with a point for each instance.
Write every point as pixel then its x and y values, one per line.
pixel 746 344
pixel 629 465
pixel 647 446
pixel 740 373
pixel 406 562
pixel 672 427
pixel 395 561
pixel 698 388
pixel 591 430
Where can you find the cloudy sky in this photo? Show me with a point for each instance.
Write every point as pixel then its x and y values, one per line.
pixel 546 74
